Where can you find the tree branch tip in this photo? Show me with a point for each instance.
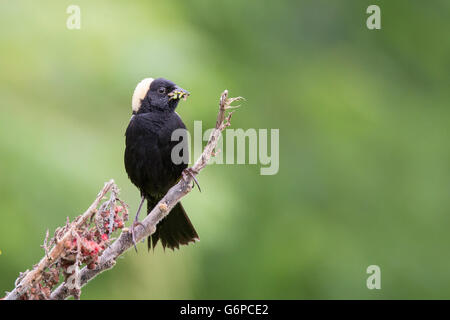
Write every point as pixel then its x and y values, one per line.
pixel 232 107
pixel 231 100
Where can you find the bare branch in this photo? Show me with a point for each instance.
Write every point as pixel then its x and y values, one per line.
pixel 109 256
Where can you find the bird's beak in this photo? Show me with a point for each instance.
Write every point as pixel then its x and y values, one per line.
pixel 178 93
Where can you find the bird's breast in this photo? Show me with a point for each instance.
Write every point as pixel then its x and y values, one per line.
pixel 148 150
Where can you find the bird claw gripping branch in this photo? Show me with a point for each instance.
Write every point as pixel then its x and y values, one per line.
pixel 191 172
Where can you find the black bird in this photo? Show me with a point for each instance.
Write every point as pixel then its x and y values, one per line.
pixel 148 160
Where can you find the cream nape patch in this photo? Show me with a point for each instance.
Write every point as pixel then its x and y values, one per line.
pixel 140 92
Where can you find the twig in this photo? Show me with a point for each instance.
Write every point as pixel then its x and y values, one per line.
pixel 45 246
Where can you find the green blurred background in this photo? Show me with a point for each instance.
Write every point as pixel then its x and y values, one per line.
pixel 364 141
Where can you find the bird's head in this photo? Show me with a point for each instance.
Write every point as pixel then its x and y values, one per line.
pixel 156 95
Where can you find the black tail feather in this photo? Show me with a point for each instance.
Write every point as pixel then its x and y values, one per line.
pixel 174 230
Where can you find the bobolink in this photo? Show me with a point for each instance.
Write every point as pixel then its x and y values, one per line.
pixel 148 160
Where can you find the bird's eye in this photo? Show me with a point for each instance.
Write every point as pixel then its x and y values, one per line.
pixel 162 90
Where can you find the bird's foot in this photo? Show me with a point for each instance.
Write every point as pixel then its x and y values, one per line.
pixel 191 173
pixel 133 232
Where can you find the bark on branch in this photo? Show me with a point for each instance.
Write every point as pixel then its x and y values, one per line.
pixel 77 243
